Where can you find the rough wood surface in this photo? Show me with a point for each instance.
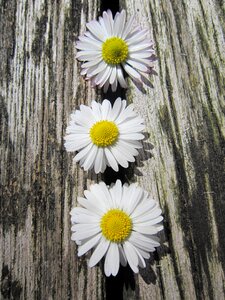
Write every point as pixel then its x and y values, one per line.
pixel 182 165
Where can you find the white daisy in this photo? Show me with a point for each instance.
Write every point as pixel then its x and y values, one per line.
pixel 119 222
pixel 112 46
pixel 104 135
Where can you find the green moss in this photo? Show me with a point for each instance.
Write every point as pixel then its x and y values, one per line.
pixel 213 123
pixel 219 75
pixel 203 37
pixel 194 81
pixel 164 118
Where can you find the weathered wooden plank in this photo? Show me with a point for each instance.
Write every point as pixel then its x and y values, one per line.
pixel 40 85
pixel 184 111
pixel 182 164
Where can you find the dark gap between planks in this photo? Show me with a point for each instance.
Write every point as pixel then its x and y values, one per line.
pixel 114 286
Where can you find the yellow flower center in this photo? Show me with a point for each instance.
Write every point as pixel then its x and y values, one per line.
pixel 104 133
pixel 116 225
pixel 114 51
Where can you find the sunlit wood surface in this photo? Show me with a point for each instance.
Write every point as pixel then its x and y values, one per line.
pixel 182 164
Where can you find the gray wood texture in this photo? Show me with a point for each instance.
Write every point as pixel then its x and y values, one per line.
pixel 182 164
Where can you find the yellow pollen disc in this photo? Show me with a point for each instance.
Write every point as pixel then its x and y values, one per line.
pixel 104 133
pixel 116 225
pixel 114 51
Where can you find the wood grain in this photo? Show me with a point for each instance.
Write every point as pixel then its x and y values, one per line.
pixel 182 164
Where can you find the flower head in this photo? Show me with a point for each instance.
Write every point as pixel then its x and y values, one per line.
pixel 120 223
pixel 104 135
pixel 112 47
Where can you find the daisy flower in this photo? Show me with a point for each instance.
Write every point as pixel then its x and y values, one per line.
pixel 111 47
pixel 104 135
pixel 120 223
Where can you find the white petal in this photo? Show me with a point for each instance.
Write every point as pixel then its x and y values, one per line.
pixel 80 210
pixel 144 61
pixel 73 128
pixel 140 47
pixel 116 193
pixel 145 229
pixel 100 192
pixel 153 213
pixel 95 28
pixel 142 54
pixel 98 160
pixel 133 74
pixel 134 199
pixel 99 252
pixel 147 247
pixel 84 71
pixel 135 144
pixel 143 241
pixel 97 110
pixel 85 219
pixel 106 192
pixel 125 152
pixel 116 109
pixel 141 261
pixel 95 198
pixel 128 191
pixel 91 63
pixel 73 137
pixel 85 227
pixel 88 55
pixel 119 22
pixel 144 254
pixel 76 145
pixel 89 160
pixel 154 221
pixel 137 65
pixel 128 147
pixel 113 75
pixel 112 260
pixel 91 206
pixel 106 108
pixel 83 152
pixel 126 113
pixel 87 111
pixel 141 209
pixel 89 244
pixel 128 27
pixel 120 77
pixel 83 120
pixel 138 37
pixel 106 86
pixel 133 125
pixel 89 38
pixel 101 67
pixel 111 160
pixel 121 159
pixel 114 85
pixel 81 235
pixel 89 45
pixel 104 28
pixel 103 76
pixel 108 23
pixel 132 136
pixel 106 76
pixel 150 214
pixel 133 32
pixel 131 256
pixel 123 259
